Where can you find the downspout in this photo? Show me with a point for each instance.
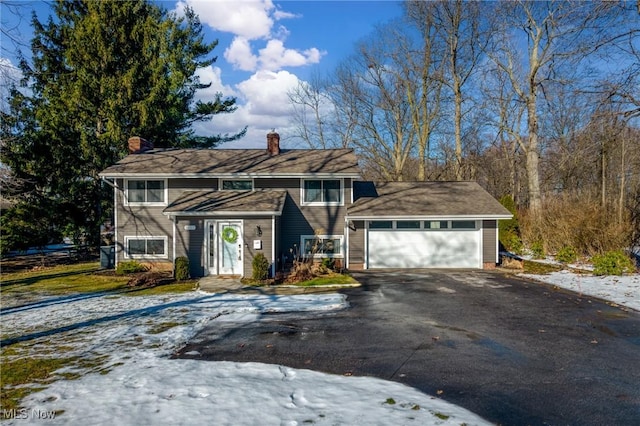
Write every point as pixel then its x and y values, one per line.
pixel 366 244
pixel 175 221
pixel 273 246
pixel 497 242
pixel 346 243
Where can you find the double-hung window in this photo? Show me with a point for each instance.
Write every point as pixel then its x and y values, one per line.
pixel 146 247
pixel 150 192
pixel 322 192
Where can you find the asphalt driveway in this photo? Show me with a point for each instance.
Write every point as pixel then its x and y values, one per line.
pixel 514 351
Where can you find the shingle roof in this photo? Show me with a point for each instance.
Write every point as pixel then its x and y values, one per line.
pixel 235 162
pixel 264 202
pixel 438 199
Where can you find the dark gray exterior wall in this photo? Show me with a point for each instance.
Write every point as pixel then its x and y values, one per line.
pixel 300 220
pixel 296 220
pixel 140 221
pixel 356 244
pixel 191 243
pixel 489 237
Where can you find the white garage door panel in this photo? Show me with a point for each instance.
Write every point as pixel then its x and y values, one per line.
pixel 424 249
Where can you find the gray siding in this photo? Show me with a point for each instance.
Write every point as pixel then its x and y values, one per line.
pixel 489 237
pixel 356 243
pixel 191 243
pixel 178 186
pixel 300 220
pixel 296 220
pixel 140 221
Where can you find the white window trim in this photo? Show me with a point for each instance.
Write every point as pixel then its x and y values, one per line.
pixel 321 203
pixel 323 237
pixel 394 225
pixel 221 180
pixel 144 203
pixel 127 238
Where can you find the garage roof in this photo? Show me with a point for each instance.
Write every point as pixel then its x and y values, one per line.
pixel 424 199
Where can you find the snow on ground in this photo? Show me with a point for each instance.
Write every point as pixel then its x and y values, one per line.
pixel 621 290
pixel 127 378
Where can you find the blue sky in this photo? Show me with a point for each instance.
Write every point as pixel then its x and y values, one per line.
pixel 265 47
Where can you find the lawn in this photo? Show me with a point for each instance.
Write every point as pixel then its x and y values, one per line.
pixel 329 280
pixel 22 375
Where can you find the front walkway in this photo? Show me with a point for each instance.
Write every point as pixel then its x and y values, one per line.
pixel 219 284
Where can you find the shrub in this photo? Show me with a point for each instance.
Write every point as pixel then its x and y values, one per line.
pixel 537 249
pixel 328 263
pixel 181 270
pixel 511 242
pixel 612 263
pixel 260 266
pixel 510 225
pixel 130 267
pixel 567 254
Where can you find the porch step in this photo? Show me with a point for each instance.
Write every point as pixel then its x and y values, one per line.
pixel 219 284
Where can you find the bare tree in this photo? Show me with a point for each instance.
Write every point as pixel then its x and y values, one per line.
pixel 458 25
pixel 319 120
pixel 557 37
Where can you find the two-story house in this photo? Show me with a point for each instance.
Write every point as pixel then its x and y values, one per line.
pixel 220 207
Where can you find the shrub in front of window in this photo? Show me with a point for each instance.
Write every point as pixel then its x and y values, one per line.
pixel 130 267
pixel 613 263
pixel 328 263
pixel 181 271
pixel 260 266
pixel 567 254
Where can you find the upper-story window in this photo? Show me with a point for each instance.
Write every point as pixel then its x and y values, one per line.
pixel 322 192
pixel 237 184
pixel 152 192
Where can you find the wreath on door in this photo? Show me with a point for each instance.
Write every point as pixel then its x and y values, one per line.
pixel 230 235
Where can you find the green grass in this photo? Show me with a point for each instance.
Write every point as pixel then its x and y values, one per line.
pixel 63 279
pixel 539 268
pixel 23 371
pixel 333 279
pixel 22 375
pixel 78 278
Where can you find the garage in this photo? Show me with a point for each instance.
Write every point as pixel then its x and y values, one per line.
pixel 422 225
pixel 424 244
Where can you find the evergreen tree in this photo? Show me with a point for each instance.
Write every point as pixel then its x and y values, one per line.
pixel 102 71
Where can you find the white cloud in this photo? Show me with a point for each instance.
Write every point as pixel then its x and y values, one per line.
pixel 266 92
pixel 275 56
pixel 263 105
pixel 248 19
pixel 212 75
pixel 251 20
pixel 239 54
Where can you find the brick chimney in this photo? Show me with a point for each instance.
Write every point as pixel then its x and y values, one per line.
pixel 273 143
pixel 138 145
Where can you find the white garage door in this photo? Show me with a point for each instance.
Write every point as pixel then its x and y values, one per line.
pixel 399 248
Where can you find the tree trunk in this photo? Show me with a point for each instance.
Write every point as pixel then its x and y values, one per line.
pixel 532 158
pixel 458 127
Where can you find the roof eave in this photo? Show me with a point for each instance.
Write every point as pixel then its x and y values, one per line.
pixel 225 213
pixel 428 217
pixel 229 175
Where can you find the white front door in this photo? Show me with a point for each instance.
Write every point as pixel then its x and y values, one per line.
pixel 224 247
pixel 230 248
